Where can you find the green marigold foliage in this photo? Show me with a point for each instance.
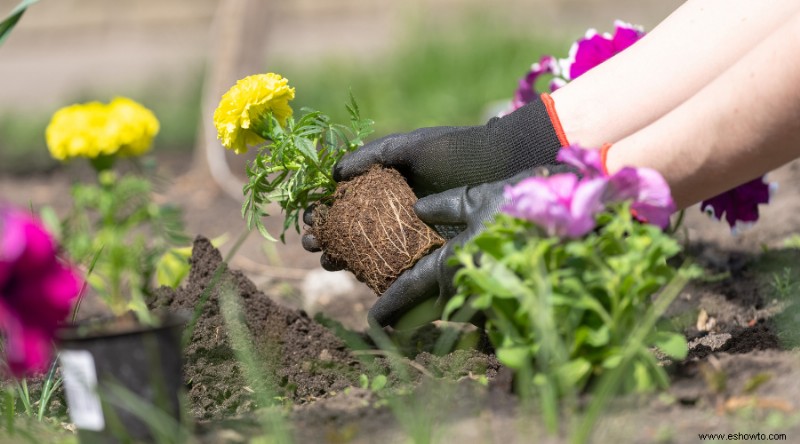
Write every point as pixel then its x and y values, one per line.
pixel 117 221
pixel 294 168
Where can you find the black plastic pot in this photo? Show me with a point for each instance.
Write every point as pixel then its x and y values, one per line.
pixel 123 384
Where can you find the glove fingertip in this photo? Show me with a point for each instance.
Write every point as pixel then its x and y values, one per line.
pixel 339 172
pixel 373 322
pixel 310 243
pixel 351 165
pixel 308 214
pixel 330 264
pixel 445 208
pixel 425 207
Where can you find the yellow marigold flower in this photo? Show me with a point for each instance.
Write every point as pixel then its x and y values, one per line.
pixel 244 107
pixel 94 129
pixel 78 130
pixel 134 125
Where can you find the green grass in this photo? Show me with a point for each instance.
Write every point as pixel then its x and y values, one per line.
pixel 434 76
pixel 22 146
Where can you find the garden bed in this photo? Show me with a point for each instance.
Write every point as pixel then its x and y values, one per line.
pixel 736 376
pixel 740 376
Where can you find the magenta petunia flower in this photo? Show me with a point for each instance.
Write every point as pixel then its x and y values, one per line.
pixel 585 54
pixel 739 205
pixel 561 204
pixel 36 291
pixel 595 48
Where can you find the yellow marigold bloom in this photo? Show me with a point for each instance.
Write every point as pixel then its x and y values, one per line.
pixel 244 107
pixel 94 129
pixel 134 125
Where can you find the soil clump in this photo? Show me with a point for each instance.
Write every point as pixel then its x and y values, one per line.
pixel 370 228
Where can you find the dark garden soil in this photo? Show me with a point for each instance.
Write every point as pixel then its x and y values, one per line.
pixel 737 378
pixel 740 318
pixel 308 359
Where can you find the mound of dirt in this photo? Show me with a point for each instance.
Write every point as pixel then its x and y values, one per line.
pixel 308 358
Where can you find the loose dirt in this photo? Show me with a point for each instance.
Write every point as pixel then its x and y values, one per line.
pixel 309 360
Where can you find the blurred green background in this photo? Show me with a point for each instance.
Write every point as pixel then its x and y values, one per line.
pixel 409 64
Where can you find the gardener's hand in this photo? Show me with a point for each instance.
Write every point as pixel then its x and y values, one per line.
pixel 425 288
pixel 440 158
pixel 309 242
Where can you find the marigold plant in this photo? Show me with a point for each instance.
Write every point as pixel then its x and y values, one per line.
pixel 113 220
pixel 295 156
pixel 242 115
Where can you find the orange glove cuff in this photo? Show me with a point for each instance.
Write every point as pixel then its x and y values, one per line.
pixel 603 156
pixel 550 106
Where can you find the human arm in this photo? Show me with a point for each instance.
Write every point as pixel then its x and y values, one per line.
pixel 741 125
pixel 675 60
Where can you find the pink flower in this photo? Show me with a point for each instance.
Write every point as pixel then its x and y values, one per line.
pixel 585 54
pixel 739 205
pixel 649 192
pixel 595 48
pixel 36 291
pixel 561 204
pixel 646 188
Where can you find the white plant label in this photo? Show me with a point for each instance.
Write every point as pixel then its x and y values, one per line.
pixel 80 382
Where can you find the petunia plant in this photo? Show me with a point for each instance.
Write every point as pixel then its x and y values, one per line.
pixel 738 206
pixel 566 272
pixel 113 218
pixel 37 291
pixel 295 155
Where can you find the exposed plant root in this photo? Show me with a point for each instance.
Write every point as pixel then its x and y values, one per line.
pixel 370 227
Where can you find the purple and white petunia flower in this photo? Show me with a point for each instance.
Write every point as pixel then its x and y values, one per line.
pixel 526 89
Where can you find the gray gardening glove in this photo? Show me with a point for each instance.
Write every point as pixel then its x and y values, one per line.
pixel 441 158
pixel 429 283
pixel 309 242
